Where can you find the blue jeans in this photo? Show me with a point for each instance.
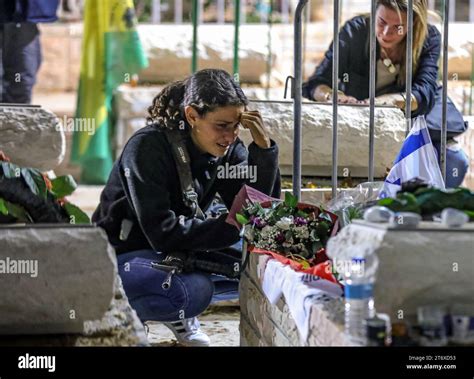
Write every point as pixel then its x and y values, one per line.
pixel 457 163
pixel 188 296
pixel 20 60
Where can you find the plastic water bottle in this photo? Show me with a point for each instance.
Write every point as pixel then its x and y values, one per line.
pixel 359 301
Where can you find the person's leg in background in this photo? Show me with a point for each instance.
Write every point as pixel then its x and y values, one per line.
pixel 457 163
pixel 188 296
pixel 21 60
pixel 1 63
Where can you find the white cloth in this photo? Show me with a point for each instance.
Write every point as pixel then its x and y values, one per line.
pixel 272 283
pixel 384 76
pixel 300 291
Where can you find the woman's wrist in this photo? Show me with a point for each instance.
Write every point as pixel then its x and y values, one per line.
pixel 330 94
pixel 325 95
pixel 401 102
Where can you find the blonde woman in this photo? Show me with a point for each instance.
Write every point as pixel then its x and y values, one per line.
pixel 354 68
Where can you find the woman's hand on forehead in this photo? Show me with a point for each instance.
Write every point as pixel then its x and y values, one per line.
pixel 252 120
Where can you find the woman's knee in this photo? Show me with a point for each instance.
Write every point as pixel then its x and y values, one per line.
pixel 187 296
pixel 199 291
pixel 457 164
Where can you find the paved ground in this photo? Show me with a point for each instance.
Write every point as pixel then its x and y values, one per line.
pixel 220 323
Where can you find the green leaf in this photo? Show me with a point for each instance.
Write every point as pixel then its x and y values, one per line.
pixel 470 214
pixel 76 216
pixel 316 246
pixel 300 213
pixel 18 212
pixel 392 204
pixel 314 235
pixel 387 201
pixel 290 200
pixel 63 186
pixel 282 212
pixel 40 182
pixel 323 228
pixel 30 182
pixel 10 170
pixel 3 207
pixel 241 219
pixel 354 213
pixel 325 216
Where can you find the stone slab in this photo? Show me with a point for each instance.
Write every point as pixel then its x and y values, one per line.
pixel 423 266
pixel 67 277
pixel 32 137
pixel 120 326
pixel 169 50
pixel 353 135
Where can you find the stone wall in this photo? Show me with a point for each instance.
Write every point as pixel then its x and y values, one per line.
pixel 61 49
pixel 169 48
pixel 131 104
pixel 263 324
pixel 31 137
pixel 427 265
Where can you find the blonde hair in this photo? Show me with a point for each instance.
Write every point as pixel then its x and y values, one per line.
pixel 420 31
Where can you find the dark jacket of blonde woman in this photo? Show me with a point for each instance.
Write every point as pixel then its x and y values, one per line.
pixel 354 66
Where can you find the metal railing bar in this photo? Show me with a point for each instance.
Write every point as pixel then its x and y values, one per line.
pixel 372 82
pixel 195 18
pixel 298 82
pixel 409 65
pixel 335 87
pixel 444 128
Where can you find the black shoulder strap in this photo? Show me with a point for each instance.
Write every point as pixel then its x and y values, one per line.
pixel 177 140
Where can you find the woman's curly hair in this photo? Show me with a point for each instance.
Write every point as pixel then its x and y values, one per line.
pixel 205 91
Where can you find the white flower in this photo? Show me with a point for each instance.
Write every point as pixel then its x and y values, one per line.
pixel 284 223
pixel 302 232
pixel 266 231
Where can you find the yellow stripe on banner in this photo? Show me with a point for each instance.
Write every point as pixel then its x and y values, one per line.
pixel 101 17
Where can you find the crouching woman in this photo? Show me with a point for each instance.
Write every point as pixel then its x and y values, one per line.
pixel 142 207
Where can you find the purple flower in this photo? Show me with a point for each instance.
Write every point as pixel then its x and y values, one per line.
pixel 280 238
pixel 300 221
pixel 258 222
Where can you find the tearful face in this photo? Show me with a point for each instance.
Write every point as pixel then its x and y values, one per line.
pixel 216 131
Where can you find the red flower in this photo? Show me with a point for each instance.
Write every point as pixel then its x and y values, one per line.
pixel 49 186
pixel 3 157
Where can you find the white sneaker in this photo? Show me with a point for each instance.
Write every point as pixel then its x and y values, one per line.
pixel 188 332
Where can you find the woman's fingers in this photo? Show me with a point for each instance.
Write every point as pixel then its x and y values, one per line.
pixel 248 118
pixel 253 121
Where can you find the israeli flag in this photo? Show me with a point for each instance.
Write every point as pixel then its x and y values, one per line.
pixel 417 158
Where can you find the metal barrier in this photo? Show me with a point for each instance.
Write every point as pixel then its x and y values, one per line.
pixel 283 7
pixel 372 85
pixel 298 63
pixel 297 91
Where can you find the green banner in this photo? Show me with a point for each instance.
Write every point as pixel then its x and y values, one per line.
pixel 111 55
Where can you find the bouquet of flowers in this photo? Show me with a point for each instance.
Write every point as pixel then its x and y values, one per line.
pixel 294 233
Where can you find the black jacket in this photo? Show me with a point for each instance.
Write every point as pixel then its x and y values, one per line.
pixel 354 66
pixel 144 187
pixel 28 11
